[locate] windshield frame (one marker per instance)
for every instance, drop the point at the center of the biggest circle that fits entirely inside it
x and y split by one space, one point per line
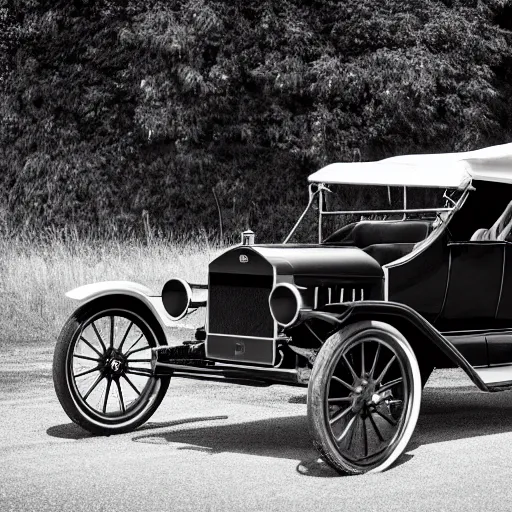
317 190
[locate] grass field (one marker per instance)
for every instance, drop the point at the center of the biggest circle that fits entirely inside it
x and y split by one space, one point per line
35 273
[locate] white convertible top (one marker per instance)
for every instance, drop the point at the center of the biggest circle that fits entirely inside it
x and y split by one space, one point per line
445 170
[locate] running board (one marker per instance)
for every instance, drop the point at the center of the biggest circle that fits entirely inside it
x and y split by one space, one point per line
496 378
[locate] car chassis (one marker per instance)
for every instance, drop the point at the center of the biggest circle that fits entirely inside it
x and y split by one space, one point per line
361 318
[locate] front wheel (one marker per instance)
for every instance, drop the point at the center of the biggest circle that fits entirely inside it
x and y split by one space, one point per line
102 366
364 397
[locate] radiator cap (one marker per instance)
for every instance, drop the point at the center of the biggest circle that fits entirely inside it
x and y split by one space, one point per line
248 237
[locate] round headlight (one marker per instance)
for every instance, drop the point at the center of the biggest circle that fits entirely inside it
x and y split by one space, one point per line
176 297
285 304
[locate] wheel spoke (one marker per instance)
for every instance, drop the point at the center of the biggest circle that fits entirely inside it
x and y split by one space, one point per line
351 438
381 376
343 383
80 356
128 354
349 426
374 425
125 336
93 387
139 360
365 437
90 346
131 384
111 332
363 366
135 343
99 337
340 399
377 352
384 417
352 371
107 392
97 368
340 415
390 384
120 394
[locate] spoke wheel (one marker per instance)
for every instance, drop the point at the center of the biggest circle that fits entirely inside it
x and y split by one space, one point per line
364 397
102 366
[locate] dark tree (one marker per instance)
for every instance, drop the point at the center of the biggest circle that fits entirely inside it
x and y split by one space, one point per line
116 111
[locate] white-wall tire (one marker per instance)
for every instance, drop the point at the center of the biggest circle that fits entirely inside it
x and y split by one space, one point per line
114 391
344 392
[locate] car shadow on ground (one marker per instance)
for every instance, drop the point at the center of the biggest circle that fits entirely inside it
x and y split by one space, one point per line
73 431
68 431
447 414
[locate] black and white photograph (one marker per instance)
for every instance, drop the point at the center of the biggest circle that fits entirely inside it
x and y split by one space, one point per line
254 255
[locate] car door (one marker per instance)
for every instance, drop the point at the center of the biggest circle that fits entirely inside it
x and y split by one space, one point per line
499 341
471 305
465 290
475 279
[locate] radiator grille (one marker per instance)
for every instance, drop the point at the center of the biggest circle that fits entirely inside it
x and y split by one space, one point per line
238 304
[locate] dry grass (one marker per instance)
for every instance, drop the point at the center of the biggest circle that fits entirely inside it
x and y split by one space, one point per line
36 273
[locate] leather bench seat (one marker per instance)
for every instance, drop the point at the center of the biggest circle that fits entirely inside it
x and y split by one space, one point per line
366 233
386 253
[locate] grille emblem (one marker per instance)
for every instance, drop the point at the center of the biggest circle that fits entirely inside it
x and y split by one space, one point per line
243 258
239 349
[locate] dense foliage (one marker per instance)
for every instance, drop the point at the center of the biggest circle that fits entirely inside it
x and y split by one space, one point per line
135 114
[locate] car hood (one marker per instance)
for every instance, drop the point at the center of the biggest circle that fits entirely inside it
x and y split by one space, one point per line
303 262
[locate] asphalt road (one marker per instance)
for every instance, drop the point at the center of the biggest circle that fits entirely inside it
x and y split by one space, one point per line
223 447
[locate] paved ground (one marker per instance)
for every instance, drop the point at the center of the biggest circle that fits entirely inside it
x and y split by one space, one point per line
227 447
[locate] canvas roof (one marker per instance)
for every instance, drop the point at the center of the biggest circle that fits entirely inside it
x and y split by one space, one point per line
445 170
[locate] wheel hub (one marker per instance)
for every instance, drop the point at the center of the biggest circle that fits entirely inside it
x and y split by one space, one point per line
115 363
116 366
364 393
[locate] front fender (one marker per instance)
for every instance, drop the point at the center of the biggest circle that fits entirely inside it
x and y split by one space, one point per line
95 290
152 300
416 328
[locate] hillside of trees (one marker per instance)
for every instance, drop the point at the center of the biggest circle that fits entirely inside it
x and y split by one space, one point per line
127 114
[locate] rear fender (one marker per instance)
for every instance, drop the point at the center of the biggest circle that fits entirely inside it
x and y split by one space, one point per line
151 300
426 341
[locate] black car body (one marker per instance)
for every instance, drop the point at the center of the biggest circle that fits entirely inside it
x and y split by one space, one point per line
361 317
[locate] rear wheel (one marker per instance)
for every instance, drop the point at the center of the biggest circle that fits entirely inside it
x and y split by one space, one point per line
102 366
364 397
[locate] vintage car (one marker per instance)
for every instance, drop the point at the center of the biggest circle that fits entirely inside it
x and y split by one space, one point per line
361 317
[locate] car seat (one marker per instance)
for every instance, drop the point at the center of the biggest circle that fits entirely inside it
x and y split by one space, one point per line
365 233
